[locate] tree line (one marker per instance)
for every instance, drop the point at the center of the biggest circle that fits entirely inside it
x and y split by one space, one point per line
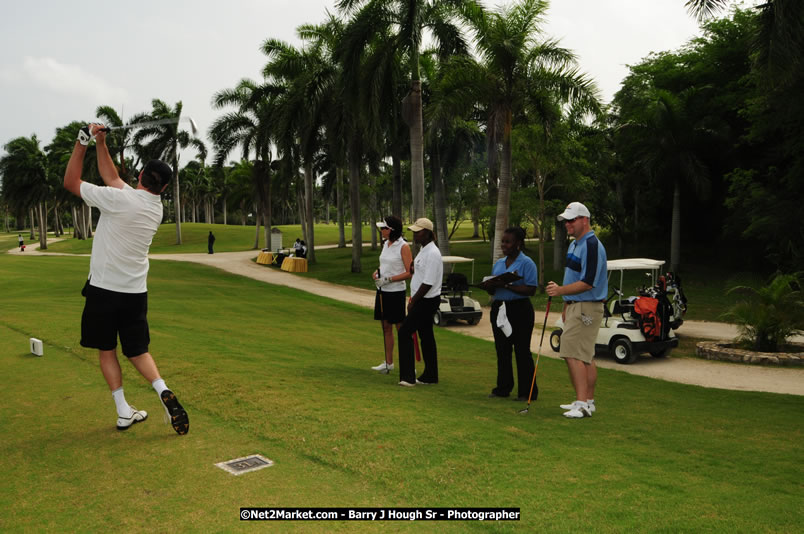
492 120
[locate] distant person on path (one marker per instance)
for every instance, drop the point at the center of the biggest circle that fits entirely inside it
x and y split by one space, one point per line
210 241
584 292
21 242
389 303
116 291
425 289
513 302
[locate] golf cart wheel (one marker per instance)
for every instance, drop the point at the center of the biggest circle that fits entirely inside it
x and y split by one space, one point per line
473 320
660 353
555 340
622 350
437 318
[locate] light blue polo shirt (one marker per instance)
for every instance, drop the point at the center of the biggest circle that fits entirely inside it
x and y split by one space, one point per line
524 267
586 261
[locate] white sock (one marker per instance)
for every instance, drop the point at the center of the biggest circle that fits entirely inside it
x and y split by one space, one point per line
159 386
123 409
590 401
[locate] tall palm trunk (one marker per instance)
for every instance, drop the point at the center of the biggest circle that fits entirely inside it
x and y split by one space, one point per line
559 246
339 201
300 204
87 220
439 201
373 209
257 224
224 210
76 233
542 222
675 232
308 190
416 148
267 205
354 199
503 190
32 218
42 212
396 208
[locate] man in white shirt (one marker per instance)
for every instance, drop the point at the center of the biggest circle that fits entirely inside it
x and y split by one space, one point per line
116 291
425 297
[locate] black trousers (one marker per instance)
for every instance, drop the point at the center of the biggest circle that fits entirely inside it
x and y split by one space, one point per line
420 320
520 315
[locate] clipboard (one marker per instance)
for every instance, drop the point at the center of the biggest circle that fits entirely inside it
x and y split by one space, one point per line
498 281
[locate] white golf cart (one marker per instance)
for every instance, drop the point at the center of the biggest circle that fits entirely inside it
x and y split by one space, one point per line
456 300
628 329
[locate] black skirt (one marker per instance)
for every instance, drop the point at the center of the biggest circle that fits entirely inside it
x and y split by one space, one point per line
390 306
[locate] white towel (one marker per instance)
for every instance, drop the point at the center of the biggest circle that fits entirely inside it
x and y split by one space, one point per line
502 321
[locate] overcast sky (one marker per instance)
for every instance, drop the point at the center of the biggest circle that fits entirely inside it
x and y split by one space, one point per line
60 60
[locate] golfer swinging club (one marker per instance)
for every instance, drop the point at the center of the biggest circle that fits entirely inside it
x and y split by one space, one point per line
116 291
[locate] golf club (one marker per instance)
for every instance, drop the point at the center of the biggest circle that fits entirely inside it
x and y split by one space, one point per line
524 411
193 126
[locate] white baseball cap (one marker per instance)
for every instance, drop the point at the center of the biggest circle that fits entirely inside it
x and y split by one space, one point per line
574 210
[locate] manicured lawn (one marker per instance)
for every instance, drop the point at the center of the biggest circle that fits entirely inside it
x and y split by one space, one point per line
285 374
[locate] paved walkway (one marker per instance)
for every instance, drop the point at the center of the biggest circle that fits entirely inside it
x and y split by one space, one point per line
684 370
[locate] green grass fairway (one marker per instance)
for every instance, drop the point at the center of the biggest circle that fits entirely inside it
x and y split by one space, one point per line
285 374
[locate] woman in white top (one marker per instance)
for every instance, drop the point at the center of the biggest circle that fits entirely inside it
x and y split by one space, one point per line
389 303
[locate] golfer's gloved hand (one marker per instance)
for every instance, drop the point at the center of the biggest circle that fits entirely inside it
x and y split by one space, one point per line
84 135
382 282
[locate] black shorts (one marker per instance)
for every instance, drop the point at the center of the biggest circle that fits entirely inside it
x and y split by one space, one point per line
108 314
391 308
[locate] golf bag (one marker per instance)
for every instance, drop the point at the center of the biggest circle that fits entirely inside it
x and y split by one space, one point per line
648 317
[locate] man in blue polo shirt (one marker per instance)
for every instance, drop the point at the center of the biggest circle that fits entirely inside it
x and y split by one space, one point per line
584 292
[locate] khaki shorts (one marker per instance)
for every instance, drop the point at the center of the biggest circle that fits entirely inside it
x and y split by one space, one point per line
581 326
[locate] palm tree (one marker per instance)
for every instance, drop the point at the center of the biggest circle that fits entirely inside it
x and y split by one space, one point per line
404 22
672 140
250 128
780 38
162 141
310 76
517 76
24 172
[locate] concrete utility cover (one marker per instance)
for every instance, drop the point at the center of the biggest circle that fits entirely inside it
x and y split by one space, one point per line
238 466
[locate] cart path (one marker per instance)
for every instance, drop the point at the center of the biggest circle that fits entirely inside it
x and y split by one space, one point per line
711 374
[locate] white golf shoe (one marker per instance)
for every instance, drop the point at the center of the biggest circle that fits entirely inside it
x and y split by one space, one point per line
137 416
579 410
571 406
384 368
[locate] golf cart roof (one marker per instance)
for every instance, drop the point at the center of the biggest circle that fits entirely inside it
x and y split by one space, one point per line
630 264
456 259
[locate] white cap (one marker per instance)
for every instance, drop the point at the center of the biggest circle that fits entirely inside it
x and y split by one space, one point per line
381 225
574 209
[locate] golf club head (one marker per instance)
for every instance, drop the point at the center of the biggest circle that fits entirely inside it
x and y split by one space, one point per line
193 126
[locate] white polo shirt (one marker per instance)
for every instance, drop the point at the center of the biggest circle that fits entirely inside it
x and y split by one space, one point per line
129 219
427 269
